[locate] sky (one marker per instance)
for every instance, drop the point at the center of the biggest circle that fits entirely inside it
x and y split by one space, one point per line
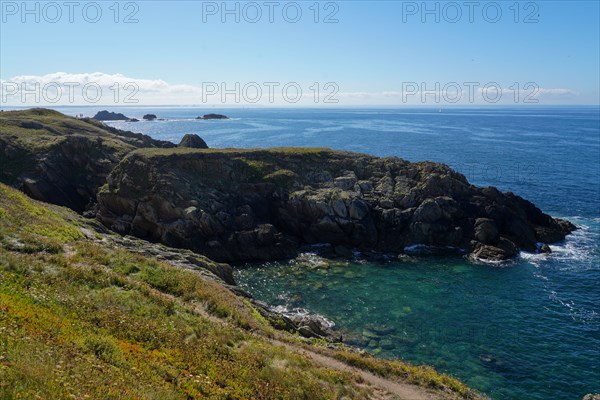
304 53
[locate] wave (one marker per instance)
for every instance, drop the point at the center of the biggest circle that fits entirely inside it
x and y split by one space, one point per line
579 250
299 313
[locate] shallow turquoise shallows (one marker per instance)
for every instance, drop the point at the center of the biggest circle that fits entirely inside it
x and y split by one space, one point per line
524 331
529 330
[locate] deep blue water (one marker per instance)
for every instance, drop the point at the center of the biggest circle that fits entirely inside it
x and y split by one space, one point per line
528 330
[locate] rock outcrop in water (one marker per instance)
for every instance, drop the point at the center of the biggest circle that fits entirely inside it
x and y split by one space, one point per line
213 116
263 204
110 116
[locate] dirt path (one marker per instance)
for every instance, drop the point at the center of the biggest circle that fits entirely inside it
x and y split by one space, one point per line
397 390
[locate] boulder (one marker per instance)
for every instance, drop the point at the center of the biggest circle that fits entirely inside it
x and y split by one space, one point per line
428 211
339 208
503 250
358 209
193 141
486 230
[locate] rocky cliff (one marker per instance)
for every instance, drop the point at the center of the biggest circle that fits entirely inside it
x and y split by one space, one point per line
59 159
263 204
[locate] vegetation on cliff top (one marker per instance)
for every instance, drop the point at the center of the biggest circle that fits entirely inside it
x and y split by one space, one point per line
39 129
82 319
60 159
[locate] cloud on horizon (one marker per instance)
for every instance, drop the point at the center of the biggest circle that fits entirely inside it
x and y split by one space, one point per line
62 88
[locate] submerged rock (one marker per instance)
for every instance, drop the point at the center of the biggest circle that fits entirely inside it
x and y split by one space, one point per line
387 344
382 330
243 213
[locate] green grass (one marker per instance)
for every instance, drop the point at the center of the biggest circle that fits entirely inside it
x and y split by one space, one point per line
26 136
88 321
420 375
30 227
215 166
156 152
80 319
37 129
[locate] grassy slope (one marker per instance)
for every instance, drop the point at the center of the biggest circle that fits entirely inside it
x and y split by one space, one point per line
78 319
47 128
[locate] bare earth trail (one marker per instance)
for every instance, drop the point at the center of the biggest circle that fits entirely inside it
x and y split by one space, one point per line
388 389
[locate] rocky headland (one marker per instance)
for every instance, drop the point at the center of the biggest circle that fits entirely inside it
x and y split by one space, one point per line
62 160
234 205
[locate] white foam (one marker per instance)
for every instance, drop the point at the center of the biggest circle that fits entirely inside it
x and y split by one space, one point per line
575 252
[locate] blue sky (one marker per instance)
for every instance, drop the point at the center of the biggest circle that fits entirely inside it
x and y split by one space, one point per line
373 53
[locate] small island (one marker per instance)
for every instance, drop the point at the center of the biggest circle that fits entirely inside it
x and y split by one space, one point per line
111 116
149 117
213 116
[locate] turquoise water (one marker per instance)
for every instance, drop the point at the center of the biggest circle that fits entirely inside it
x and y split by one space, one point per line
527 330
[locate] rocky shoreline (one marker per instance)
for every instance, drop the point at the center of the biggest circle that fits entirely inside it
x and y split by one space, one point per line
241 205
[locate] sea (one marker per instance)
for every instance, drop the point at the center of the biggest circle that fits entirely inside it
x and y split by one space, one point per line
528 329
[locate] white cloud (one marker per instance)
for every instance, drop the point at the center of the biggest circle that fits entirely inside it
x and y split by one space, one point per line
558 92
103 80
62 88
466 95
